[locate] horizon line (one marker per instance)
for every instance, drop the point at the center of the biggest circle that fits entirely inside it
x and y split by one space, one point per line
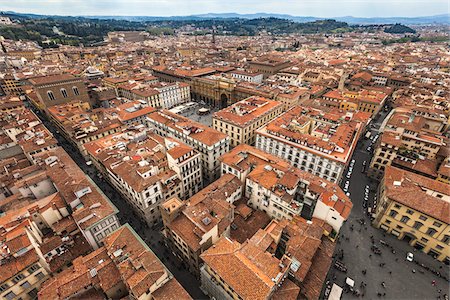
219 13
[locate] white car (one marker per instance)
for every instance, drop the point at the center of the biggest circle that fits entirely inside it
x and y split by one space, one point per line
409 256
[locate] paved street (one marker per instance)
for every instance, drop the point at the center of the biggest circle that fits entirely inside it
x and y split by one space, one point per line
151 236
396 273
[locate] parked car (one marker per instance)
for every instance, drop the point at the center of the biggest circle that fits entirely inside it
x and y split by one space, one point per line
409 256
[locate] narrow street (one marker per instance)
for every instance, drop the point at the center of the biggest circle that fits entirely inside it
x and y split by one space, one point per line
402 279
151 236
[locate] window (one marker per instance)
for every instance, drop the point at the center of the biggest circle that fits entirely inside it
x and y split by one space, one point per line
39 275
10 296
25 285
33 269
393 213
18 278
404 219
431 231
437 224
75 91
64 93
417 225
446 239
50 95
33 293
423 218
397 206
409 212
3 287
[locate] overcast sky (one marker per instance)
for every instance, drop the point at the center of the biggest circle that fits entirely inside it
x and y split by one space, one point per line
317 8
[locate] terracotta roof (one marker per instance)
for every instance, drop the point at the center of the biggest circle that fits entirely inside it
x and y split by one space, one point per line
51 79
247 269
411 190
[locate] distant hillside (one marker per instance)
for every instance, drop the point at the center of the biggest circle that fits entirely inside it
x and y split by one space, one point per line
399 29
437 19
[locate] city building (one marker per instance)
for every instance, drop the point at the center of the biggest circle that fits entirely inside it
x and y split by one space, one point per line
284 260
207 141
147 169
319 142
415 209
243 271
240 120
246 76
268 65
81 125
284 192
363 100
410 141
123 268
195 225
57 89
92 211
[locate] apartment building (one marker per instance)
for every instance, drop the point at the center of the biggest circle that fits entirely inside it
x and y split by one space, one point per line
39 233
133 113
58 89
408 142
313 140
268 65
147 169
123 268
22 270
92 212
293 96
243 271
364 100
81 125
240 120
415 209
246 76
10 103
193 226
156 94
207 141
23 128
138 91
171 95
284 192
186 163
284 260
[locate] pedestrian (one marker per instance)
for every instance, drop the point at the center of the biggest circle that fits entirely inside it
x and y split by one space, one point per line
370 255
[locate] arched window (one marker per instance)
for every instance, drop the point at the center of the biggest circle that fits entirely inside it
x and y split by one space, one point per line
50 95
64 93
75 91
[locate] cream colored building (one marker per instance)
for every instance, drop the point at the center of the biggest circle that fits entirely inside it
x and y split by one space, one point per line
240 120
415 209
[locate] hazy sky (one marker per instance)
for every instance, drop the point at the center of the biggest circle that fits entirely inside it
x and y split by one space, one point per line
317 8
